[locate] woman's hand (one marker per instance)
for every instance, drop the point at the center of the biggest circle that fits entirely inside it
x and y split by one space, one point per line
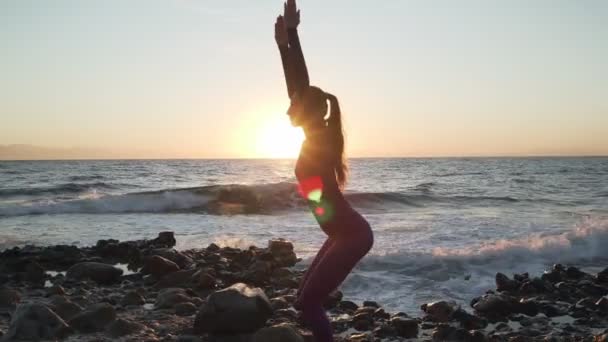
280 32
291 13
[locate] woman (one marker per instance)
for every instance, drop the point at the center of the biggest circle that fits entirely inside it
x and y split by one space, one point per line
321 173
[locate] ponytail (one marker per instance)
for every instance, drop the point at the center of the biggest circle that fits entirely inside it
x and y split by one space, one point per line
334 124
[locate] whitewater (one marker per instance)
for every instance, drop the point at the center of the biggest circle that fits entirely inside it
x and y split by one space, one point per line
443 227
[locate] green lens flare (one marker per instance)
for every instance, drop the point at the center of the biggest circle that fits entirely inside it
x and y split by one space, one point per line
315 195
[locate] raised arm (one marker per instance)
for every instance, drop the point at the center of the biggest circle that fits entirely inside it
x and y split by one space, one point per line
295 58
280 35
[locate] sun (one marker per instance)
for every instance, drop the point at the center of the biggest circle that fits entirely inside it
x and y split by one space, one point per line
278 139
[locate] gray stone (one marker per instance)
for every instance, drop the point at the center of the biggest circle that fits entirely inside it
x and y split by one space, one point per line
405 327
64 307
168 298
35 321
185 309
132 298
277 333
236 309
121 327
94 318
99 272
158 266
440 311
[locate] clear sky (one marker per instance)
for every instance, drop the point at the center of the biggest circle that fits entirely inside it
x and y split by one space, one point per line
197 78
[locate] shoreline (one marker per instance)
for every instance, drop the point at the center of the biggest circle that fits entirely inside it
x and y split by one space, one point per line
145 290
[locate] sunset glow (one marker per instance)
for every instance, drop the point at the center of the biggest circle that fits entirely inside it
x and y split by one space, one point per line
276 138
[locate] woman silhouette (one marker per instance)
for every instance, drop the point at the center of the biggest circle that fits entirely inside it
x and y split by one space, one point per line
321 173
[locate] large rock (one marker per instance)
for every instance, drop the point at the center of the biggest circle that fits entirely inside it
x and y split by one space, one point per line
494 305
97 271
164 239
132 298
503 283
158 266
94 318
282 252
440 311
277 333
405 327
602 276
64 307
233 310
168 298
34 322
34 273
182 260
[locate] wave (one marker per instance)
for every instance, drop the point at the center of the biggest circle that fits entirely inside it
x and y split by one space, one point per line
226 199
67 188
583 244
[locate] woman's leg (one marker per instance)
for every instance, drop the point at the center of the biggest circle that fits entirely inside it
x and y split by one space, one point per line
328 274
326 245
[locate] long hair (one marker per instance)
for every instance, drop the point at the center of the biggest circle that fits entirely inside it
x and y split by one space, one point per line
336 131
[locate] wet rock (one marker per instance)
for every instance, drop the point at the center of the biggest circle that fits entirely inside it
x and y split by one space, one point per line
602 304
236 309
602 276
179 258
444 332
363 337
493 305
277 333
379 313
185 309
55 290
405 327
96 271
164 239
158 266
363 321
34 273
439 311
503 283
371 303
169 298
181 278
282 252
385 330
213 248
65 308
347 305
279 303
35 321
122 327
333 299
95 318
468 321
9 297
575 273
132 298
204 280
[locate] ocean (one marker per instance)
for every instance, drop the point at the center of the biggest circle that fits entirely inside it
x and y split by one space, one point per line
443 227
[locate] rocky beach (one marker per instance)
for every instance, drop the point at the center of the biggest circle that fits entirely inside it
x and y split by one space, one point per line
146 290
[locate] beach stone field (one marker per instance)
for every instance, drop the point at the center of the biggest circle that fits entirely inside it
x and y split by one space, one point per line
146 290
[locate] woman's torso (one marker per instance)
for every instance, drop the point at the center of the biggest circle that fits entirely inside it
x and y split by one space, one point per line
317 183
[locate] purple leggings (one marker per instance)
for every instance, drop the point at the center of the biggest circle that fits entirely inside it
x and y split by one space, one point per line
334 261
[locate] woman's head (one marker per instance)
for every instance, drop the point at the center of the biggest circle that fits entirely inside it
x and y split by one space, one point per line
310 110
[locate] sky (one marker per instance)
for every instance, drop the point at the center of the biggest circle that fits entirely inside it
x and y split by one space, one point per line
203 79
